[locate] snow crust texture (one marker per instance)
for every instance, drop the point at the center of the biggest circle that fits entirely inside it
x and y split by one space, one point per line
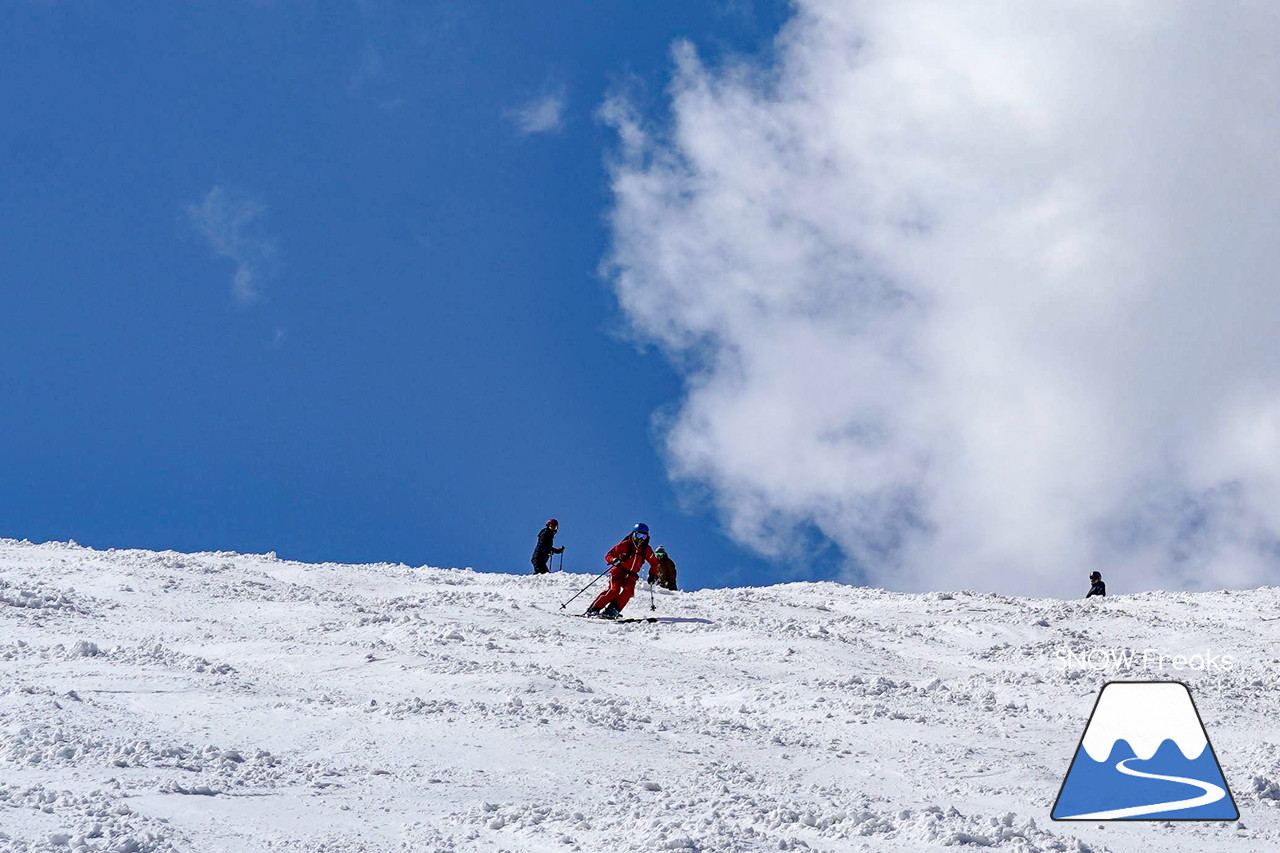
223 702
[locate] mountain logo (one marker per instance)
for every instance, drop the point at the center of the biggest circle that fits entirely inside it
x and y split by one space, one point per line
1145 755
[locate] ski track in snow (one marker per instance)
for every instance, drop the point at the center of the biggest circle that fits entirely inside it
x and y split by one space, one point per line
225 702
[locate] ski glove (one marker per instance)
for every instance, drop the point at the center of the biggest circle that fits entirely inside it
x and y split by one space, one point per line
559 550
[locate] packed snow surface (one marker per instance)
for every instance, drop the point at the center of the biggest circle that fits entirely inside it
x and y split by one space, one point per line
220 702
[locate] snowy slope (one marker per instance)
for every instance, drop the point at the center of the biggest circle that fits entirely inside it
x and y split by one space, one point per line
218 702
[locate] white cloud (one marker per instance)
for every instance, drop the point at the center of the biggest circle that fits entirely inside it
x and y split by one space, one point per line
543 114
231 222
983 291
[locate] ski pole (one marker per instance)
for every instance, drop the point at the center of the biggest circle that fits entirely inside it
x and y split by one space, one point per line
584 589
562 561
652 606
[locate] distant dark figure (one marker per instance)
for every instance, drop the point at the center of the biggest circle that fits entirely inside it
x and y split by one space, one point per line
1098 588
665 573
546 547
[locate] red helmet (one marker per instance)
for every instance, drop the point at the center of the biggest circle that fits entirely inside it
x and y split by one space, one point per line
551 522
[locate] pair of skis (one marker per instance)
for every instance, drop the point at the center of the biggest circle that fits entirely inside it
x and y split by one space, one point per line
622 621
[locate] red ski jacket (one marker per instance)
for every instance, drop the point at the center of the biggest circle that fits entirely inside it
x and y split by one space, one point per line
631 557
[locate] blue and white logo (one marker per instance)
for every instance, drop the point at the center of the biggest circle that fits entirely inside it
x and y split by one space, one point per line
1145 756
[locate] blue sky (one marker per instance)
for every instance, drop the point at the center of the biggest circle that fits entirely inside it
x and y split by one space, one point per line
322 278
915 294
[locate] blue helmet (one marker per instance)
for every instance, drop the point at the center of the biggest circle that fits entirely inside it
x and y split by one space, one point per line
640 527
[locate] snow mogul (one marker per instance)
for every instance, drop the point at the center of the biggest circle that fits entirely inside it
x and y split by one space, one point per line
625 561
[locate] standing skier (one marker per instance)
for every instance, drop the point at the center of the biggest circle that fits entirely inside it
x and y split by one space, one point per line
625 559
665 574
546 547
1098 588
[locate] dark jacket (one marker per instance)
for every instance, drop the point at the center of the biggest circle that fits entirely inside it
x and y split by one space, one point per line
665 573
546 545
1098 588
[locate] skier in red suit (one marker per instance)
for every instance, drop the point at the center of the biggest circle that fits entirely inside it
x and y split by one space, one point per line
626 559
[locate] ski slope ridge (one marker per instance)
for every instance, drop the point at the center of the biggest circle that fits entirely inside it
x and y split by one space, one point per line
225 702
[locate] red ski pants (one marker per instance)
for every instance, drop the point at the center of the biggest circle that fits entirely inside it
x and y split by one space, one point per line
622 585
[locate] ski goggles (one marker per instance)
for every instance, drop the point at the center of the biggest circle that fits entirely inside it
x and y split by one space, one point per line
639 535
